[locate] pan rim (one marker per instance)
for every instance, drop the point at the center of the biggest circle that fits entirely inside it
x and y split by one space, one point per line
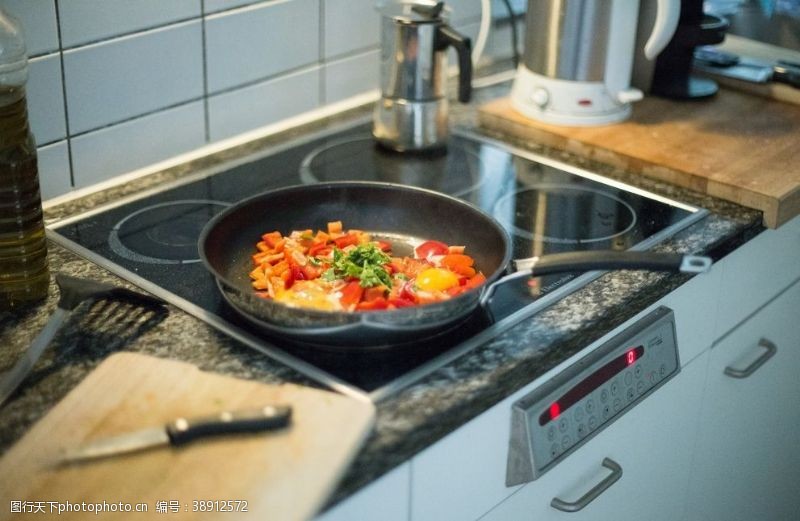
357 314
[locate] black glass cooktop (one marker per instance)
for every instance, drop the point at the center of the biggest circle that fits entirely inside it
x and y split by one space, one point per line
546 207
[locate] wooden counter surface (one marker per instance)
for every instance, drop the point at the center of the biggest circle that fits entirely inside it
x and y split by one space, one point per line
735 146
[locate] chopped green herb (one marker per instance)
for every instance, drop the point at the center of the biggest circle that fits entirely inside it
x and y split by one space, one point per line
364 262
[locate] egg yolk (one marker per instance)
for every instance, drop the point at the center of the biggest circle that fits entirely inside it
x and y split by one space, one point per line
436 279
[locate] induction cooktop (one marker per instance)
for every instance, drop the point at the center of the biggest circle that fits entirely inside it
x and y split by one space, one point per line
546 206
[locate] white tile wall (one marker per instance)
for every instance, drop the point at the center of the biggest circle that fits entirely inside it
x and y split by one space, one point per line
54 172
245 109
84 21
126 77
212 6
351 76
121 84
114 150
46 99
350 25
259 41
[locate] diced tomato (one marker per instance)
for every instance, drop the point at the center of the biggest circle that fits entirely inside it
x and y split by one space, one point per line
350 239
319 249
400 302
428 248
459 263
475 281
379 303
374 293
335 227
351 293
311 272
384 246
272 238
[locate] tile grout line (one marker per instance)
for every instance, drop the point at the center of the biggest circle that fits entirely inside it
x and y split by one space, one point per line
204 50
64 95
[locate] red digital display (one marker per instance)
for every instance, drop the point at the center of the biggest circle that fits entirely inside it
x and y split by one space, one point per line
590 383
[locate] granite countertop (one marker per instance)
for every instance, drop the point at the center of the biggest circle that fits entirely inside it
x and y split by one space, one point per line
408 421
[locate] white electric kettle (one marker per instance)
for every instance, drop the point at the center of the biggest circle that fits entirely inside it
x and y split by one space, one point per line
576 67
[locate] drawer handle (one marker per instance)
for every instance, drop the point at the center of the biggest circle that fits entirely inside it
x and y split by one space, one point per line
567 506
770 350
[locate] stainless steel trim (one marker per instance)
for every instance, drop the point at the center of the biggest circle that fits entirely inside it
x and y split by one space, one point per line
770 350
695 264
594 492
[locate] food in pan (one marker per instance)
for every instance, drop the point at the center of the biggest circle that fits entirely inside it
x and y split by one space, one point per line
348 270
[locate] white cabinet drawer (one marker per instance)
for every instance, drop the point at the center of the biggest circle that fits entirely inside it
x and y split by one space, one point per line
756 272
385 499
748 461
651 443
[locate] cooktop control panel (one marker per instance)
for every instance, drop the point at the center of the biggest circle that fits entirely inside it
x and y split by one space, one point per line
556 418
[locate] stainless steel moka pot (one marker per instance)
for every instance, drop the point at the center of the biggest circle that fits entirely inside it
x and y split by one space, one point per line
412 112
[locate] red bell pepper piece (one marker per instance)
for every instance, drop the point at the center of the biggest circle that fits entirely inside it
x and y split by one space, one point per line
429 248
351 293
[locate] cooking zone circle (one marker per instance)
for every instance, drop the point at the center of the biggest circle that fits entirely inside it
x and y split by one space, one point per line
564 214
456 172
164 233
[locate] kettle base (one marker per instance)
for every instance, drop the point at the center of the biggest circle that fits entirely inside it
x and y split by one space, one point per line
567 103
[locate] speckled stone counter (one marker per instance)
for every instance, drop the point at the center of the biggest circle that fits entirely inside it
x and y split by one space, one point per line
408 421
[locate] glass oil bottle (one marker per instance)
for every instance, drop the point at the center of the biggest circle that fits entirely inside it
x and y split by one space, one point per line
24 275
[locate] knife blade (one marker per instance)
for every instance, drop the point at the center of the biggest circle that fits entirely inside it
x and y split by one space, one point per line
752 70
183 430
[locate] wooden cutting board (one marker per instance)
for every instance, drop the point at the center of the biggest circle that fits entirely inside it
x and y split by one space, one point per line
286 475
734 146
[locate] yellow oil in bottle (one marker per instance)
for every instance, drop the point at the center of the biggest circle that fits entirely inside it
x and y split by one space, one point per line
24 276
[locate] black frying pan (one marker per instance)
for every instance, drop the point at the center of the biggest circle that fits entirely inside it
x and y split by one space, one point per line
403 215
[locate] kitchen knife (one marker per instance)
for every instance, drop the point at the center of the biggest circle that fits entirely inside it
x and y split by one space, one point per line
184 430
743 68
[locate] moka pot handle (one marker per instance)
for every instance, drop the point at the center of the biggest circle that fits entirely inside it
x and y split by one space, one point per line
447 36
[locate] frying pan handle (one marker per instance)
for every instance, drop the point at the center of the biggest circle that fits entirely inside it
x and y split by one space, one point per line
601 260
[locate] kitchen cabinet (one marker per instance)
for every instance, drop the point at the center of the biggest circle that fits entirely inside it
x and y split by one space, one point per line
462 476
704 446
747 463
385 499
645 448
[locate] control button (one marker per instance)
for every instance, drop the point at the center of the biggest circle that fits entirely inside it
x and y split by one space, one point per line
630 393
617 404
578 414
553 450
652 377
604 395
590 405
640 387
628 378
563 424
614 388
606 411
592 422
540 96
551 433
637 371
566 441
581 430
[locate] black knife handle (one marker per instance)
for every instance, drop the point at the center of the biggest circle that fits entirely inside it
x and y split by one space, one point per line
184 430
787 75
